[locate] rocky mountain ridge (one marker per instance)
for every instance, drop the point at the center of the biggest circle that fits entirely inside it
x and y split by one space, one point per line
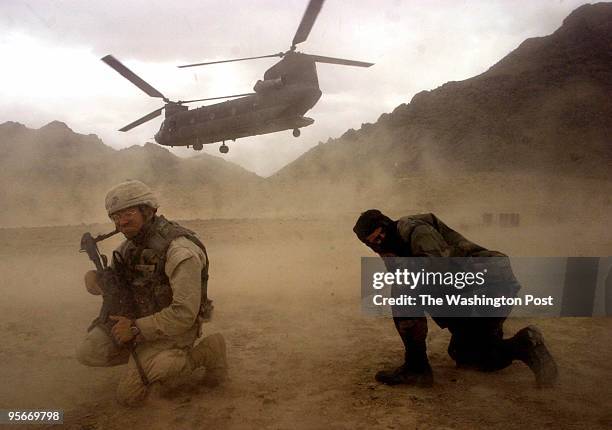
53 175
545 107
533 130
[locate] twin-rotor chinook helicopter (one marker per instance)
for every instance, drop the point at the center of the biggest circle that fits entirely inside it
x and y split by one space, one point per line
288 90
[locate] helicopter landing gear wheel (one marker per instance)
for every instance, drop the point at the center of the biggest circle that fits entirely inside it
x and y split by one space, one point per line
198 146
296 132
224 149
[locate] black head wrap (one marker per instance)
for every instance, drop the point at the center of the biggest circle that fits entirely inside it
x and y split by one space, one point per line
369 221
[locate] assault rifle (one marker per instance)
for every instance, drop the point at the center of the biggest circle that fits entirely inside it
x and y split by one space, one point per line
117 298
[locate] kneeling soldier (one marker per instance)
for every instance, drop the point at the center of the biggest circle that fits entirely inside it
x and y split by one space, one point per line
164 267
476 342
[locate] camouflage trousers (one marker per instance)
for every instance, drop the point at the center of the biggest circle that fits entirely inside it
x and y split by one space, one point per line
163 363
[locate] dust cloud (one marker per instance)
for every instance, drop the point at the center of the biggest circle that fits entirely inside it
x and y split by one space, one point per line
285 264
286 291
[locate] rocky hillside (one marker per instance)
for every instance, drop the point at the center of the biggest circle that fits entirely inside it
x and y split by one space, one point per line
531 133
544 112
55 176
543 108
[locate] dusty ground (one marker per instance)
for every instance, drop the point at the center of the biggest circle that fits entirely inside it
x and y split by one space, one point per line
302 355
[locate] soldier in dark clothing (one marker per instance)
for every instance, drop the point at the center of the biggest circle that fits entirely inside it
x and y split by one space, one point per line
476 342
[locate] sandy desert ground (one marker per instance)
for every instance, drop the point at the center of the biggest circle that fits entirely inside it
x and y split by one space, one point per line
302 354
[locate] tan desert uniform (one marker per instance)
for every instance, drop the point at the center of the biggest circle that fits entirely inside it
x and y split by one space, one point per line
166 336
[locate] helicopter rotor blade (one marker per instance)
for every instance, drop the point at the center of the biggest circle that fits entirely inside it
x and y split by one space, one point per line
341 61
142 120
280 54
132 77
216 98
310 15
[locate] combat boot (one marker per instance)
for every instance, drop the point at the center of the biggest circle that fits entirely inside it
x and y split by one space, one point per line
533 352
419 375
211 354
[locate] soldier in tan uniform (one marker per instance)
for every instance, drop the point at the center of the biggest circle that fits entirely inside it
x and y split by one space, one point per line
476 342
166 268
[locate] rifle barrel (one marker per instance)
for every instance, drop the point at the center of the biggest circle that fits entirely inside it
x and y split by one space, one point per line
101 237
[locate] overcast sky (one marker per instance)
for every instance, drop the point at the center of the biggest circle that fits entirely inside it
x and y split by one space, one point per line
51 50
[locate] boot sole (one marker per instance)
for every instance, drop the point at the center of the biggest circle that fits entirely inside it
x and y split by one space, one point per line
415 381
541 361
223 349
218 375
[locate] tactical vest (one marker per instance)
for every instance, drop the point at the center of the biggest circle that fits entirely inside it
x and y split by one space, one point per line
142 267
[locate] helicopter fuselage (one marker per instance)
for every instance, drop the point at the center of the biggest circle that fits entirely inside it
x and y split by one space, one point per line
289 89
273 108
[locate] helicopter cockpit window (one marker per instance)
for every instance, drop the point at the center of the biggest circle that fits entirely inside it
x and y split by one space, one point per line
172 126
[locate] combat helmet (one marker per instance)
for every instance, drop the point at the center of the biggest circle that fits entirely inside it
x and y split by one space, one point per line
127 194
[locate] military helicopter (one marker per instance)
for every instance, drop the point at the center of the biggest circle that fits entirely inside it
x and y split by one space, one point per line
288 90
